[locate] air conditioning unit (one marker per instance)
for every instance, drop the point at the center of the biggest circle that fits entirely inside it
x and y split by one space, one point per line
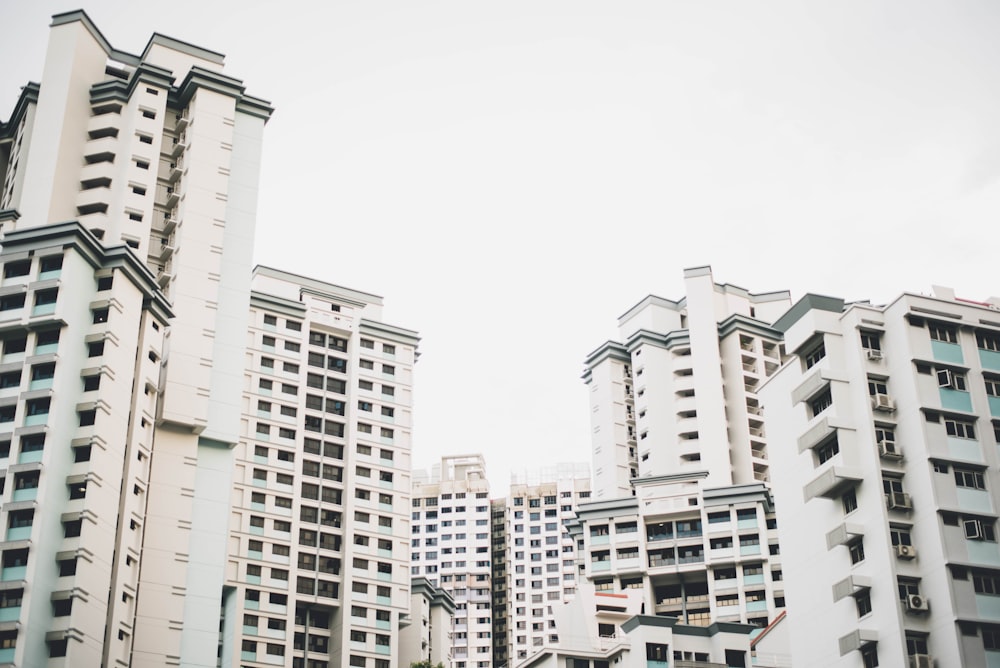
917 603
873 354
898 501
883 402
906 552
887 449
921 661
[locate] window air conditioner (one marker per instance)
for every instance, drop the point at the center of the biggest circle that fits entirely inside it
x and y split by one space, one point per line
906 551
883 402
898 501
917 603
887 448
873 354
921 661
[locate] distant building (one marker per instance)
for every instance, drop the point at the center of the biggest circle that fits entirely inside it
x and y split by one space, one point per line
539 560
451 549
884 424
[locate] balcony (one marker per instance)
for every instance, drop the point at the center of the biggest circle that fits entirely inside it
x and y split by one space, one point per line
833 482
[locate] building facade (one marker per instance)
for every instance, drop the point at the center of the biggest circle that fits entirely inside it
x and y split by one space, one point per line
123 343
319 555
886 421
539 559
682 510
451 548
427 636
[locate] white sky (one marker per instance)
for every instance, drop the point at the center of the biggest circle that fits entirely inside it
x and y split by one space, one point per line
512 176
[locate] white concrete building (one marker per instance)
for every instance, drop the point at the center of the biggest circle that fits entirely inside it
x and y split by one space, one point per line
451 548
318 571
427 636
539 558
678 393
681 509
123 344
603 629
884 424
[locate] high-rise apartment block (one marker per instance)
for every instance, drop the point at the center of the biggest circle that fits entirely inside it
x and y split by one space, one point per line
127 205
538 559
884 427
319 555
682 510
451 549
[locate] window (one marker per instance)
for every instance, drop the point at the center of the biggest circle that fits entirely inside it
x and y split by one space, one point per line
950 379
992 387
857 551
11 302
986 583
979 529
959 428
871 341
814 355
877 386
900 535
969 478
940 332
821 402
849 501
869 656
826 451
988 341
18 268
907 587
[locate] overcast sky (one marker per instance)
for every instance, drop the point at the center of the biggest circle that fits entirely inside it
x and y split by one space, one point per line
512 176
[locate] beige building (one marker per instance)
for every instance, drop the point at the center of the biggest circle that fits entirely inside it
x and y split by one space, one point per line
123 341
427 635
318 572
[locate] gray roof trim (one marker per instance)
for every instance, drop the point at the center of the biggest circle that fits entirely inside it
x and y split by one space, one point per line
81 16
29 95
737 322
318 286
199 77
686 629
808 303
436 595
73 235
118 90
608 350
673 477
678 337
650 300
184 47
406 337
622 505
268 302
